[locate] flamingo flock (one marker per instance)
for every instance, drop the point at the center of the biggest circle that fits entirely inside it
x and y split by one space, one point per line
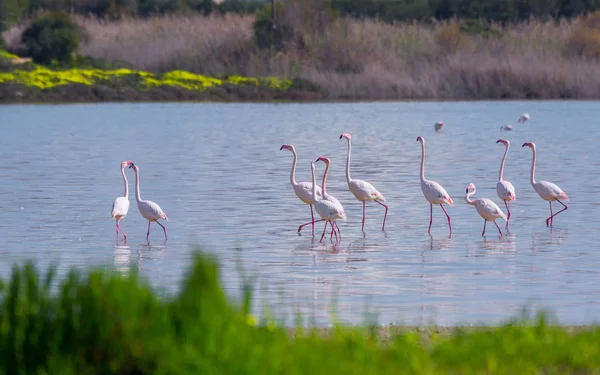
330 209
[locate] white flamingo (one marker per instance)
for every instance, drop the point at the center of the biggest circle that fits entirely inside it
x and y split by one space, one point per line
506 127
120 206
524 117
329 209
546 190
487 209
303 190
505 190
362 190
433 192
149 210
438 126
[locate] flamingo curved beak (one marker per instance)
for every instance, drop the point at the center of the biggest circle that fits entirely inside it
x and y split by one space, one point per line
132 165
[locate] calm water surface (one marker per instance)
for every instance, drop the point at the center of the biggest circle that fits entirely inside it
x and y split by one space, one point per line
217 171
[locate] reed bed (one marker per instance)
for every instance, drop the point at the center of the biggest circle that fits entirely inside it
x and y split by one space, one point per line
368 59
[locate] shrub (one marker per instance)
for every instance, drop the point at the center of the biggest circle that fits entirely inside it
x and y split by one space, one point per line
51 37
584 40
241 6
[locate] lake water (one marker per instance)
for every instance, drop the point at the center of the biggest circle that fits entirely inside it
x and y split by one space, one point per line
218 173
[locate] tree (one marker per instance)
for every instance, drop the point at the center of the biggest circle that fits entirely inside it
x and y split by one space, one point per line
51 37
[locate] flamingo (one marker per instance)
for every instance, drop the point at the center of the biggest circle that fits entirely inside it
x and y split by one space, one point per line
505 190
120 206
149 210
362 190
326 196
303 190
506 127
433 192
329 209
487 209
546 190
438 126
524 117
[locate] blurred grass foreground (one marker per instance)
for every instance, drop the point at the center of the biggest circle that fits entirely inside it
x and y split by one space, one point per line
100 322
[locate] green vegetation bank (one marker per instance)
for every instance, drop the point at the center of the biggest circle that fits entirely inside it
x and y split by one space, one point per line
98 322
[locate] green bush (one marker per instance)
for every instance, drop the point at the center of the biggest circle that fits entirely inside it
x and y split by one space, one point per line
241 6
51 37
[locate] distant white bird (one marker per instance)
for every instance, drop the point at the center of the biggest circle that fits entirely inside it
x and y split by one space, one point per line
487 209
546 190
433 192
524 117
506 127
120 206
362 190
329 209
438 126
303 190
505 190
149 210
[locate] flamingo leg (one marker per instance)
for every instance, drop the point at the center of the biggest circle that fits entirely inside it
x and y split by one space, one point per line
312 218
507 204
498 228
333 231
324 229
148 233
484 223
384 216
120 229
338 229
310 222
448 216
364 215
164 229
430 217
551 218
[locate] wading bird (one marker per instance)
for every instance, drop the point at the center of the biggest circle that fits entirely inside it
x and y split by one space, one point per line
438 126
506 127
546 190
487 209
362 190
505 190
149 210
328 209
303 190
433 192
120 206
524 117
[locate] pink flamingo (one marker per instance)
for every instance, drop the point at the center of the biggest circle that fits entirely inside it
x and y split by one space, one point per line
487 209
438 126
326 196
433 192
505 190
329 209
546 190
303 190
120 206
524 117
149 210
362 190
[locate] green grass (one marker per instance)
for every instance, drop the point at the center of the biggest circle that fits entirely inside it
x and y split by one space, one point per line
100 322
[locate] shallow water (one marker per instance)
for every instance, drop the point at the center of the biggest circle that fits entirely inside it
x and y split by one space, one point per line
217 171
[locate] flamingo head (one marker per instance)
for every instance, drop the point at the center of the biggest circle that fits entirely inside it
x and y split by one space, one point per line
420 139
135 167
346 136
471 187
324 159
287 147
529 144
126 163
503 141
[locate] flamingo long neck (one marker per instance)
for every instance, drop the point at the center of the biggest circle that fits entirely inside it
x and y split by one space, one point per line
126 194
137 186
502 164
325 178
468 198
422 160
348 178
293 172
314 183
532 177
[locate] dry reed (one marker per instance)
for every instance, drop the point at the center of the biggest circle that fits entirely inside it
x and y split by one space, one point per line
369 59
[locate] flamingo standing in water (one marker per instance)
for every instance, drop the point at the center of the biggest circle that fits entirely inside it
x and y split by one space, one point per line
149 210
362 190
487 209
326 196
433 192
524 117
438 126
505 190
303 190
546 190
506 127
329 209
120 206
